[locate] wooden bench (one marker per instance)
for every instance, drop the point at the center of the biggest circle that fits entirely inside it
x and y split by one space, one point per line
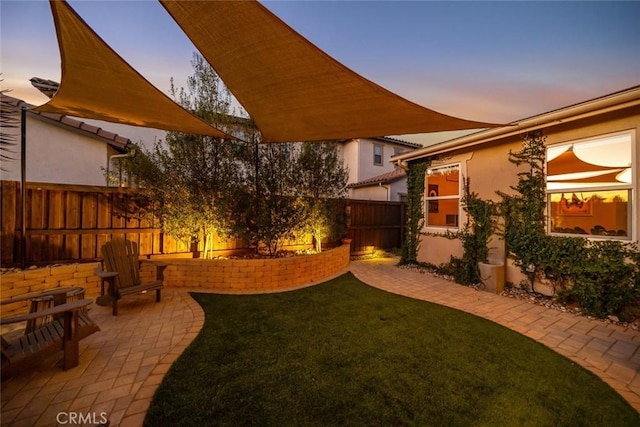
60 326
121 271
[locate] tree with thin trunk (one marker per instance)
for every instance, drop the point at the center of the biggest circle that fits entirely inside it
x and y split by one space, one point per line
322 183
263 192
191 175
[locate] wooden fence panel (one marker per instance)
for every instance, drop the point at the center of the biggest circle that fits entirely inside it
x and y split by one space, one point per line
89 221
376 225
33 220
8 242
104 220
55 242
72 223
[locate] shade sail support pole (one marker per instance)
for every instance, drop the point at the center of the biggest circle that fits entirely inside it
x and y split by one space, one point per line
23 187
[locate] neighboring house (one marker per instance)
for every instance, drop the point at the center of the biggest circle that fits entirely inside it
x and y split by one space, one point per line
372 175
390 186
592 170
59 149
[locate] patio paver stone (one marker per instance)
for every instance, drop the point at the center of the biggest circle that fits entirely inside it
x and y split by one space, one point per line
122 365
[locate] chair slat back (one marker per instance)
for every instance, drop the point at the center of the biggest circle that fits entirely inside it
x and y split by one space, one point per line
122 256
46 300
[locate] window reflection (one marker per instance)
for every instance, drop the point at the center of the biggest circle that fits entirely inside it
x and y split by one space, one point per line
443 196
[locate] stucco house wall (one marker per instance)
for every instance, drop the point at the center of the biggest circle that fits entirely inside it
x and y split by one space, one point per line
358 156
59 149
485 162
369 193
57 155
365 159
395 191
359 159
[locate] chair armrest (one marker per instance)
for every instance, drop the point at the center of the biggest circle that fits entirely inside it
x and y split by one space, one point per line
30 296
160 267
105 274
62 308
156 263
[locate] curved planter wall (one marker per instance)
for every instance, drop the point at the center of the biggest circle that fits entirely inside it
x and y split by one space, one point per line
233 276
255 275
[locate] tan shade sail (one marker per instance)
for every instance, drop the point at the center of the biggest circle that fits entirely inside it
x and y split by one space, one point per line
98 84
293 90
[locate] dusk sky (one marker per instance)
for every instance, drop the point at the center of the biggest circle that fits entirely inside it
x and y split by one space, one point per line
485 61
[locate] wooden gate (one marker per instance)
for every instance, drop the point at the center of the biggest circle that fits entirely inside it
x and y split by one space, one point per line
375 225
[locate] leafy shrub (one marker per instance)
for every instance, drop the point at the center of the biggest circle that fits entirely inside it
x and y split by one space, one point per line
606 280
462 271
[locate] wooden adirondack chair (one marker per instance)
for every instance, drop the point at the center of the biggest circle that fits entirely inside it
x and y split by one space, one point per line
121 270
54 323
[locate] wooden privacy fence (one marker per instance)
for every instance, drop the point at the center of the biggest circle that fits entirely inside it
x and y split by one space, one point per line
69 223
376 225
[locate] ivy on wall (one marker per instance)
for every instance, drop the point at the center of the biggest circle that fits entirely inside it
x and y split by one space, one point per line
524 211
475 235
415 210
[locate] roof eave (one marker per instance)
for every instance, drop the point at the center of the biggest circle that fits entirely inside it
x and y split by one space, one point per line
397 141
120 143
377 182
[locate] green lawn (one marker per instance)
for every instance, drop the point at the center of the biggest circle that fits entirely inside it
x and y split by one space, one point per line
343 353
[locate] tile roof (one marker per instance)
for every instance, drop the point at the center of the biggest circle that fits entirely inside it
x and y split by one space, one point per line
48 87
118 142
398 141
385 178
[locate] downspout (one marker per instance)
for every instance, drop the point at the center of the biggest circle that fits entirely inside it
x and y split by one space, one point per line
388 188
118 156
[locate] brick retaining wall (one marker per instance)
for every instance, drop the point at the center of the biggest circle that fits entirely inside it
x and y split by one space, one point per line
255 275
233 275
42 279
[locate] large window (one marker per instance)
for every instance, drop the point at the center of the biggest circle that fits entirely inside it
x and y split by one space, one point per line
442 194
589 187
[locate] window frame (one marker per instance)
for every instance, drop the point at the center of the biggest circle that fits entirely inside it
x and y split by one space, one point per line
629 187
381 163
427 198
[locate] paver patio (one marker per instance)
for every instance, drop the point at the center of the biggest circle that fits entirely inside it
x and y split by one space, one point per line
122 365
